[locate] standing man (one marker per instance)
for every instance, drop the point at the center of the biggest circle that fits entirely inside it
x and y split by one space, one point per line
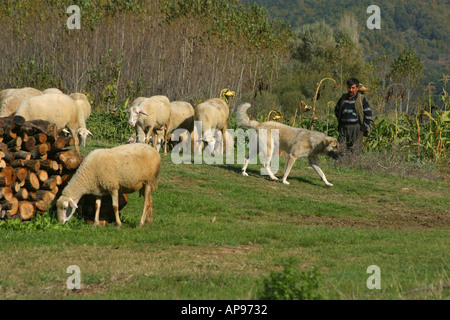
354 117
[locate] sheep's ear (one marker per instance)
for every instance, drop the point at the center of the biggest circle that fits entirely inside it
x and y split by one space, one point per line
90 133
73 204
144 113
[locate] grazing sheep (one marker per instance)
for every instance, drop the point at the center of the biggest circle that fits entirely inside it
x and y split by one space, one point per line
84 112
10 99
55 108
181 116
213 114
123 169
147 115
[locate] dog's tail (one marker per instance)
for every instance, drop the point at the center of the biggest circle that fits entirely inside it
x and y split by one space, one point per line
242 118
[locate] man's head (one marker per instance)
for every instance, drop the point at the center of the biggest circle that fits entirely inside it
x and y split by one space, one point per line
352 87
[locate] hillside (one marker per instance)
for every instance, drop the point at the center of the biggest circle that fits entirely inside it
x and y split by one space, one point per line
422 26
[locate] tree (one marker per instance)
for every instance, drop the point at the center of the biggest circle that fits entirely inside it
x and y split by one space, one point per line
407 70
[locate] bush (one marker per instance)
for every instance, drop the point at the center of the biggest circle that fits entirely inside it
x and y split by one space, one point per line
110 126
290 284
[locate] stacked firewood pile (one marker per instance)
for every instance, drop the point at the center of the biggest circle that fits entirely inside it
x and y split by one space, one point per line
35 165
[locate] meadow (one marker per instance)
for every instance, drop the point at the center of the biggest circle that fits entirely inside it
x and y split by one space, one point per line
218 235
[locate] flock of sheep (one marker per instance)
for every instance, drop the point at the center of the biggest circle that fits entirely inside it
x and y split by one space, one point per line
126 168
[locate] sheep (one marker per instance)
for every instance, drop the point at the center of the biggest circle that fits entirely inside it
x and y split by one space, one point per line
213 115
181 116
147 115
123 169
84 112
10 99
55 108
52 90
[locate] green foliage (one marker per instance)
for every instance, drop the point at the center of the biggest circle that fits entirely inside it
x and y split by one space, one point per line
111 126
40 222
407 65
29 73
290 284
104 80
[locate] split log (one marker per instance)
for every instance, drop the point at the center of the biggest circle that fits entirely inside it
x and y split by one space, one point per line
22 194
12 205
16 186
42 175
7 176
15 144
21 154
50 184
41 206
28 143
26 210
3 146
33 165
32 182
39 150
9 156
58 178
6 193
18 163
59 144
49 165
44 195
40 138
70 159
21 173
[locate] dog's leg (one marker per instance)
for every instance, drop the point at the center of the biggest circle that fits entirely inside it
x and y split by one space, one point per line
267 155
288 168
244 167
315 165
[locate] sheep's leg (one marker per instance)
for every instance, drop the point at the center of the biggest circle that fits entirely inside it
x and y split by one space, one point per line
147 214
115 204
74 134
98 204
166 137
224 139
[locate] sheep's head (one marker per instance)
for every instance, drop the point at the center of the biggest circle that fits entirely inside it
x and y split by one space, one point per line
83 133
134 113
65 207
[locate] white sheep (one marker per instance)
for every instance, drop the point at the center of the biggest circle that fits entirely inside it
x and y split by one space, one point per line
123 169
147 115
84 112
55 108
10 99
181 116
52 90
213 115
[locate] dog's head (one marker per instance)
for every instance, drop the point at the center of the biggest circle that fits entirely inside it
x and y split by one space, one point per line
332 148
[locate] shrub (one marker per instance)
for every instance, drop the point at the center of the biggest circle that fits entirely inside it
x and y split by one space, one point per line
290 284
110 126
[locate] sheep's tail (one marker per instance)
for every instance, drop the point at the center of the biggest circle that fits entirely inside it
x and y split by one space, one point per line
242 118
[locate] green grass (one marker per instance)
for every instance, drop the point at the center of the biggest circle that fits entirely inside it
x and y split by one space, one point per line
217 235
